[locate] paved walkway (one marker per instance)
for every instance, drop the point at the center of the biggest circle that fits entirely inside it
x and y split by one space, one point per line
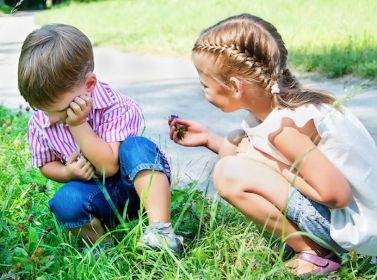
163 86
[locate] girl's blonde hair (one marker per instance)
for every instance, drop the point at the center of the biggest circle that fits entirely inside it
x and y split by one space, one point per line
252 49
54 59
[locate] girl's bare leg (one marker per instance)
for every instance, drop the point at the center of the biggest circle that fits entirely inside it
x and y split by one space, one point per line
231 142
261 194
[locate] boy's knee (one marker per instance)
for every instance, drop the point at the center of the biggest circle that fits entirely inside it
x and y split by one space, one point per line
134 145
67 204
139 153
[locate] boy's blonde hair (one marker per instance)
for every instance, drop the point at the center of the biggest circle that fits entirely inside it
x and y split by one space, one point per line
54 59
252 49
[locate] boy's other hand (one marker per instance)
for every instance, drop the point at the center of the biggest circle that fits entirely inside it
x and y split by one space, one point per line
81 170
79 109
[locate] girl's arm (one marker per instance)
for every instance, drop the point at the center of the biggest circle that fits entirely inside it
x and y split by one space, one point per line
319 179
195 134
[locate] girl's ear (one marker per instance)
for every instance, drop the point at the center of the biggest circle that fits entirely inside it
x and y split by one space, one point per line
90 82
238 87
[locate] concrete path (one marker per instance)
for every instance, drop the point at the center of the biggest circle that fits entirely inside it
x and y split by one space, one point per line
165 86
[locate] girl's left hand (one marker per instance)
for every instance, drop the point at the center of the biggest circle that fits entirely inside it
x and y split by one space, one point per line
79 109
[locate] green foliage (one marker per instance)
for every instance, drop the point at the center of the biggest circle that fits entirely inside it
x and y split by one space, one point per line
220 243
321 35
22 5
5 9
87 1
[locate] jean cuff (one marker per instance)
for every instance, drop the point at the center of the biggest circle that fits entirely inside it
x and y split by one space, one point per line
147 166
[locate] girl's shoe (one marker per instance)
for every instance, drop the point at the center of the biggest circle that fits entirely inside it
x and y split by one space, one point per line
158 235
326 264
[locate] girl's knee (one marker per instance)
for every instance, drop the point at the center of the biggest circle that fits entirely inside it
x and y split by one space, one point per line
225 176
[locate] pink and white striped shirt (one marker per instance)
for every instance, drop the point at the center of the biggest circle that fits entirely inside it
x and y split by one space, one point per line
113 117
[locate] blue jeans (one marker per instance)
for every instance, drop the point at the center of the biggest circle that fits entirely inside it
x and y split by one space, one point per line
77 202
311 217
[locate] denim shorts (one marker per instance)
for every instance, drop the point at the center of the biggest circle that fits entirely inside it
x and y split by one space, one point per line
311 217
77 202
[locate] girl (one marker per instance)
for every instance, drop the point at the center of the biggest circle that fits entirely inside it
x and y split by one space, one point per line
300 155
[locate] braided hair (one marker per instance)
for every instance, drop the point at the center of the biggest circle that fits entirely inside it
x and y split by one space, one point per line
251 48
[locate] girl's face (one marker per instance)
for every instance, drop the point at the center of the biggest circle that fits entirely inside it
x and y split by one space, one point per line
215 93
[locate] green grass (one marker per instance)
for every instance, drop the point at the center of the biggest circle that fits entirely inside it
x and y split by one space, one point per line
5 9
327 36
220 242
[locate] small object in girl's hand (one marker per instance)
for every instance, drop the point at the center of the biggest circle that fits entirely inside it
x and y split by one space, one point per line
179 130
173 117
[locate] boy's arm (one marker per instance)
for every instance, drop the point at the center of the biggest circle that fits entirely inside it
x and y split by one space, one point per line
74 170
103 155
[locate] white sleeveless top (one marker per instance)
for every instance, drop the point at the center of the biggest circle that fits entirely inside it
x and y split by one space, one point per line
349 146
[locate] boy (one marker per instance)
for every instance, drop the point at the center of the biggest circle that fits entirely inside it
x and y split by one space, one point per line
77 113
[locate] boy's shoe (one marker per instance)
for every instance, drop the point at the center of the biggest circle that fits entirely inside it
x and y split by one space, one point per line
158 234
98 250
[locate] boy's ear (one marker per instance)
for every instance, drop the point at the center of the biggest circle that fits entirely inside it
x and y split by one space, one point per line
90 82
238 87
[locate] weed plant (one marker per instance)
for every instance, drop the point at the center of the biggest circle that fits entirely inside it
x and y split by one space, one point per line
220 243
326 36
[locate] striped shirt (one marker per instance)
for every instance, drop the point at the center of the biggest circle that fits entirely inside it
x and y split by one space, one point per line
113 117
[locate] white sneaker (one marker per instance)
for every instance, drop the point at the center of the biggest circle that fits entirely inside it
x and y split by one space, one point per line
158 233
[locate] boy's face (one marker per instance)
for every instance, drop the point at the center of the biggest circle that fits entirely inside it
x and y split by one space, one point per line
57 112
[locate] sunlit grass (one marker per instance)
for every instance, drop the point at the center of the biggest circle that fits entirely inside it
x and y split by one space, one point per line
331 37
220 243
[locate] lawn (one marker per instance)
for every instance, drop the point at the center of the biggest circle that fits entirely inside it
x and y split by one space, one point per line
220 243
326 36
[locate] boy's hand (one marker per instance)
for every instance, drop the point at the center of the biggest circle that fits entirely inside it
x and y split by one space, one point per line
79 109
79 170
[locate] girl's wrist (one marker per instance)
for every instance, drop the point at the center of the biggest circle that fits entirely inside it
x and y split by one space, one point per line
214 141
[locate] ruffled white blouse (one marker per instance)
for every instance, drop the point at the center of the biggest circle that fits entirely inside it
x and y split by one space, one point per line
349 146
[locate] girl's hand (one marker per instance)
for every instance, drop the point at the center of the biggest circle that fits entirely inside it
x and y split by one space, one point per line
79 109
81 170
191 133
246 149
